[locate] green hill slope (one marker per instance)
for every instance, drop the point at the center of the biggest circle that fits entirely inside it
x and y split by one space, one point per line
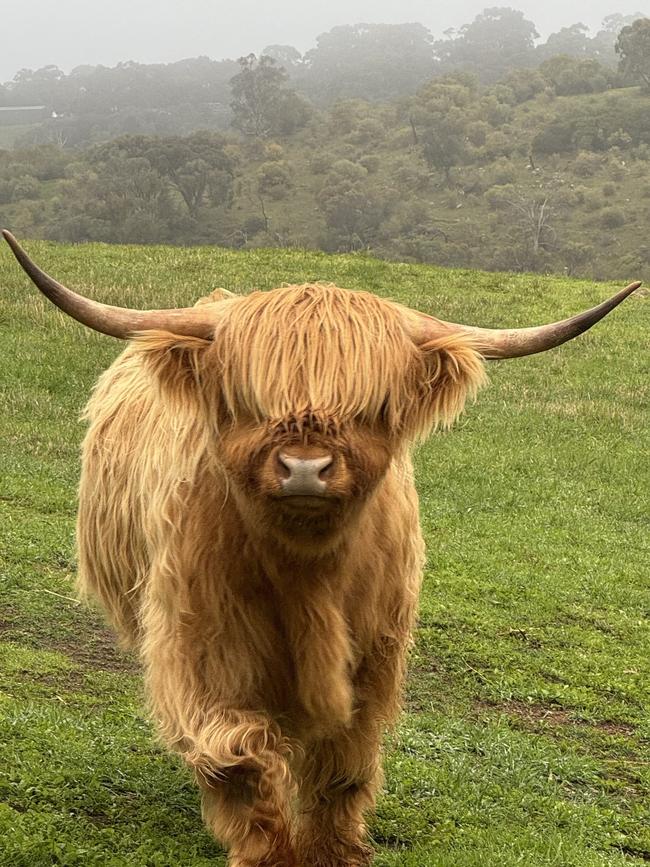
525 734
512 177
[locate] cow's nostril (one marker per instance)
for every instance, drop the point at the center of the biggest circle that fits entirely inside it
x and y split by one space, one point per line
283 467
326 470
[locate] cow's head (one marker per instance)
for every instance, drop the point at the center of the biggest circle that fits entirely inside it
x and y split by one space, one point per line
310 391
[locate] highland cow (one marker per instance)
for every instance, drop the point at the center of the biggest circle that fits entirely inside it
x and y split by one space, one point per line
249 523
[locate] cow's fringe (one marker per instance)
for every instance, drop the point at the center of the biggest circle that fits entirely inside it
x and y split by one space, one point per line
319 349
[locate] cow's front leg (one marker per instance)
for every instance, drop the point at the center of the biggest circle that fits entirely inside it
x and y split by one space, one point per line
200 701
246 794
341 774
338 789
240 762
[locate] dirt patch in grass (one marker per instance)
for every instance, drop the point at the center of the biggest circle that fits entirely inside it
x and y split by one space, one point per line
5 626
644 855
97 649
82 637
73 680
534 715
611 727
428 686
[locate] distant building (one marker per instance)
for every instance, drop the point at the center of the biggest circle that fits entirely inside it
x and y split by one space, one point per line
12 115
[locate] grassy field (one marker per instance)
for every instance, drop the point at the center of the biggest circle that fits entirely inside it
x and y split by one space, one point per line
526 736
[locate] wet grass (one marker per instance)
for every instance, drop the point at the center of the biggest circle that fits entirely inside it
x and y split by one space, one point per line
526 734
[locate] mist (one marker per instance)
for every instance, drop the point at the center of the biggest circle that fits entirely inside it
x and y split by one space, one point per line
70 33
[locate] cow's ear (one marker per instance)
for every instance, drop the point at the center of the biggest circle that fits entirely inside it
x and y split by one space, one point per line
453 372
174 360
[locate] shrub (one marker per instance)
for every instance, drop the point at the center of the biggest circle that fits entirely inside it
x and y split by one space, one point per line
499 196
274 179
320 163
501 172
253 225
556 137
370 162
612 218
641 153
593 202
477 132
24 187
498 144
567 196
580 194
409 176
576 254
274 152
620 138
369 131
586 164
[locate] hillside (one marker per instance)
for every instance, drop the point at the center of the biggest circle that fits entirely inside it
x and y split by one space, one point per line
551 183
525 734
516 176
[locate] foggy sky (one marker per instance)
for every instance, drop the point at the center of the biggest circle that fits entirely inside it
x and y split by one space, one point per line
69 33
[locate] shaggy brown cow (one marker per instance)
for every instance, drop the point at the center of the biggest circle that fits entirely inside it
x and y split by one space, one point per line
248 521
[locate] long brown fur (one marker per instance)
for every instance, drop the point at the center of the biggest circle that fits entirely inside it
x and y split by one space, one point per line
274 646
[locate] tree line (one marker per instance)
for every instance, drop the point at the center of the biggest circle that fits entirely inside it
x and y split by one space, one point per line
377 62
545 169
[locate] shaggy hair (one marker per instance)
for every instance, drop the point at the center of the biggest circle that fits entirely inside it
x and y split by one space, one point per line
272 665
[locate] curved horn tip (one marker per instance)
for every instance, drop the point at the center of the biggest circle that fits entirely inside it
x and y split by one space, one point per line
16 249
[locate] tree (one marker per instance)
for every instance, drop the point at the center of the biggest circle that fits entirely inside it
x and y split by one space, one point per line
441 118
533 220
261 104
201 167
497 40
123 199
633 48
572 41
602 44
369 61
525 84
353 207
42 86
285 56
524 218
293 112
615 22
255 93
568 75
198 167
95 103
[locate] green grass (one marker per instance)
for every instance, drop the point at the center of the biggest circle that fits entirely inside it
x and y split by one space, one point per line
526 735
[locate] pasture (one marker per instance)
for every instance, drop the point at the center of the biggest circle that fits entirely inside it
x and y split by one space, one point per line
526 732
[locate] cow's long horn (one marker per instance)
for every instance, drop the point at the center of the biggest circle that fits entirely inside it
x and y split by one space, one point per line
496 343
119 322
